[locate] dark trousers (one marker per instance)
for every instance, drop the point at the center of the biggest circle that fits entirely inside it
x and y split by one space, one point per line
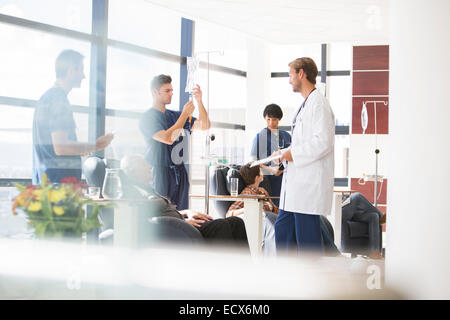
364 211
173 183
229 231
329 247
298 231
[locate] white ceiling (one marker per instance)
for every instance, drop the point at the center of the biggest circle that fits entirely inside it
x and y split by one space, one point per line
293 21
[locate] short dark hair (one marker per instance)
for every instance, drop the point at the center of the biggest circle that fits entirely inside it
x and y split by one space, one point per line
309 67
65 60
249 174
159 80
273 110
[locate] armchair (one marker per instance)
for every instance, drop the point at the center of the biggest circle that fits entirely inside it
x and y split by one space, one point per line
220 184
356 234
165 229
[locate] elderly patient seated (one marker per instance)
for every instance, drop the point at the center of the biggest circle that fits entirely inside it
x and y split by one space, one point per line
136 184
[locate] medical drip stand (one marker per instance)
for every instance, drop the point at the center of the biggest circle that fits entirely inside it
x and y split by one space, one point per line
209 137
377 151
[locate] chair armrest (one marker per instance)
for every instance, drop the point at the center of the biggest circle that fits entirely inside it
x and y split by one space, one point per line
170 228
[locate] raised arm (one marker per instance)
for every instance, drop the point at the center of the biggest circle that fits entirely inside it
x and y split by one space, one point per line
170 135
202 123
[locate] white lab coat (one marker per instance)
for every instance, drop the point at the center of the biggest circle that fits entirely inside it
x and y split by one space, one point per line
308 181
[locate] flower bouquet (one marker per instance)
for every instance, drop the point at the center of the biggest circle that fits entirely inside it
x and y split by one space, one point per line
57 210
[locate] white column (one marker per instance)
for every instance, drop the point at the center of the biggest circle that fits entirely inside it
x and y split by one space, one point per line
258 86
418 222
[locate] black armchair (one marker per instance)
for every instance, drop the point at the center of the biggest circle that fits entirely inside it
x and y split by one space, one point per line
220 181
154 229
356 235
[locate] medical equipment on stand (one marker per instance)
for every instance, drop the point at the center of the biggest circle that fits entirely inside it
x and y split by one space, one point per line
364 122
193 64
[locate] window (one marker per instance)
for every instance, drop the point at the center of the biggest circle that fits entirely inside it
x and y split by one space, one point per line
28 66
340 56
69 14
341 155
141 23
15 141
227 97
128 139
340 97
233 45
128 80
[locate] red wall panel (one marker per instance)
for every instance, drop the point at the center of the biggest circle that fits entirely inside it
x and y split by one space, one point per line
367 189
370 83
382 115
371 58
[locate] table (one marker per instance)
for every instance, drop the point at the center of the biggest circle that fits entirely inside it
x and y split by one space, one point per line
253 216
129 221
253 205
127 218
336 213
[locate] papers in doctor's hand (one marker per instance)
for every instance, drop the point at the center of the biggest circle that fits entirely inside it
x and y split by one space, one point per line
271 158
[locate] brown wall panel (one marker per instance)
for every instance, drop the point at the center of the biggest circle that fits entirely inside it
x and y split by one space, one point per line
367 189
382 115
371 83
371 58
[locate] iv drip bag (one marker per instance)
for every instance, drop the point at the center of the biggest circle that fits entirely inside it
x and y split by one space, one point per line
192 67
364 118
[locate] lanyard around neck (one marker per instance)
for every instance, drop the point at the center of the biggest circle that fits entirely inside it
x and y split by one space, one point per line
300 109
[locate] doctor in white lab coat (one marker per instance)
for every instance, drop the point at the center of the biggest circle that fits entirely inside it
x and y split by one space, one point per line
307 187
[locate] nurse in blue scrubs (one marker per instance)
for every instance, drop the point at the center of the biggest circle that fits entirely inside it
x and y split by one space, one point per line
166 133
266 142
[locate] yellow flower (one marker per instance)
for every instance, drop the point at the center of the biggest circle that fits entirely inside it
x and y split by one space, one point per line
20 201
37 194
56 195
58 210
44 179
35 206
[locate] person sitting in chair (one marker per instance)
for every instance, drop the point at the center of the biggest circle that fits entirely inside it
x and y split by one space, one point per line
362 210
136 181
252 177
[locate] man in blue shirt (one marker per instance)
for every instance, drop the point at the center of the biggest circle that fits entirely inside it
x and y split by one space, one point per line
56 151
268 141
166 140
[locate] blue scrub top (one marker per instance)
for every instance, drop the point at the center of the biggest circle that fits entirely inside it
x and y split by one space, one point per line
170 177
52 114
264 144
158 153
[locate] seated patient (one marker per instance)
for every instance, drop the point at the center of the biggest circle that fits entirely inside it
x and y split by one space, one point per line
136 184
253 177
361 210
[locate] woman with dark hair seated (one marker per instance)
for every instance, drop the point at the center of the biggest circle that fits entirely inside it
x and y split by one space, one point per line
266 142
252 177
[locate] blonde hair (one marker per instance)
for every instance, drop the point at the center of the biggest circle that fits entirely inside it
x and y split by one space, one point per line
309 67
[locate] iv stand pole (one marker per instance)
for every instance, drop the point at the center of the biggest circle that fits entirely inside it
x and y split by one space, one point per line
208 137
377 151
